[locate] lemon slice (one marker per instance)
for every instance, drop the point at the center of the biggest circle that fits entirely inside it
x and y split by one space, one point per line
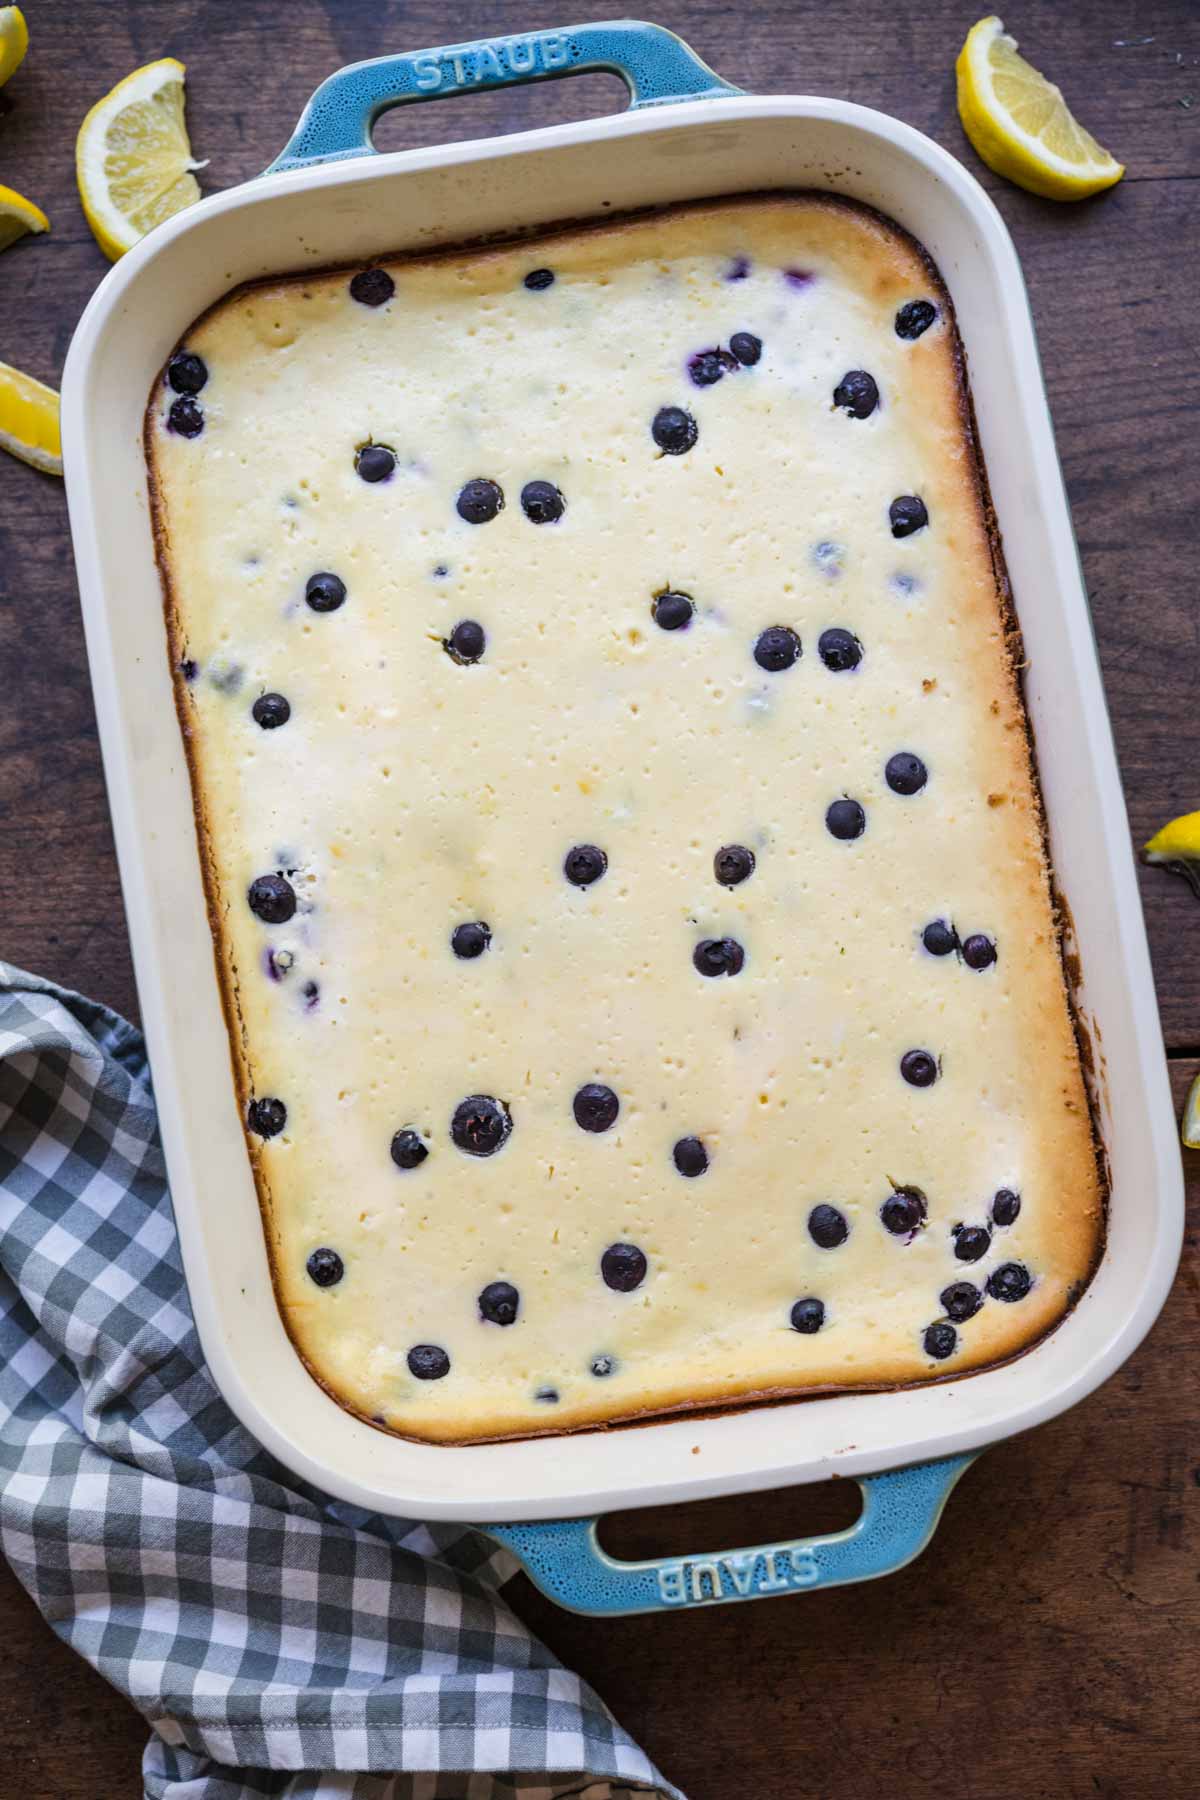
133 161
1177 847
18 216
14 41
1021 125
1189 1125
29 421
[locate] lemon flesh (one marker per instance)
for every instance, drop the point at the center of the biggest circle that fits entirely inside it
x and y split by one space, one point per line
1020 124
133 161
14 41
29 421
18 216
1189 1125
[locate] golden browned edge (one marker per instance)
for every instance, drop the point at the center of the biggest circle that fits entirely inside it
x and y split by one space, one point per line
227 977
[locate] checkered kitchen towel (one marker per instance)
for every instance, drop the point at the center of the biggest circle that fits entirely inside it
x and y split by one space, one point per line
279 1642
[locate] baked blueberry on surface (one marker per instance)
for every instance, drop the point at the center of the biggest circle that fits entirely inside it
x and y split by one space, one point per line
374 462
325 1267
777 648
480 1125
827 1227
941 1340
689 1156
272 899
479 500
325 592
733 864
623 1268
185 416
584 864
266 1118
907 514
409 1150
595 1107
372 287
856 394
621 654
719 956
674 430
671 611
466 643
186 373
919 1068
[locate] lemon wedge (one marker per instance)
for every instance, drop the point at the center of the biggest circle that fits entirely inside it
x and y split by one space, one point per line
1177 848
133 161
1189 1125
14 41
18 216
1021 125
29 421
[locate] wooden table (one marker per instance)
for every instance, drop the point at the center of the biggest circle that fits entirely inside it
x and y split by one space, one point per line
1047 1644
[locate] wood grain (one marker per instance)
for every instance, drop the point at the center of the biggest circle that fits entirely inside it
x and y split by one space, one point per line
1046 1644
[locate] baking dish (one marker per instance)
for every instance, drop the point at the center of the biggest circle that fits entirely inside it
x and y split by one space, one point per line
327 200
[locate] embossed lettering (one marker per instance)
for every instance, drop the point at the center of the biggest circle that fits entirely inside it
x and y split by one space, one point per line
460 74
772 1580
672 1583
487 64
554 52
520 54
428 72
702 1572
805 1568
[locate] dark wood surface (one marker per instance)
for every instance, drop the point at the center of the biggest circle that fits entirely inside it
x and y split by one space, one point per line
1047 1644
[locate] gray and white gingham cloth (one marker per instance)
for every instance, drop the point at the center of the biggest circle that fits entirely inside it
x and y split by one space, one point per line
278 1642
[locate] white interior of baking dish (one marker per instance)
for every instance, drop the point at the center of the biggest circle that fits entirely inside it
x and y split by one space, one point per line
347 211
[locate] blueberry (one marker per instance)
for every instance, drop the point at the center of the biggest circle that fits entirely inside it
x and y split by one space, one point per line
270 711
186 416
272 899
409 1150
719 956
428 1362
595 1107
733 864
189 668
499 1303
466 643
799 278
186 373
689 1156
827 1227
845 819
325 1267
470 940
480 1125
904 1211
372 287
971 1242
1011 1281
623 1267
266 1117
778 647
960 1301
857 394
708 366
1005 1207
839 650
539 278
324 592
978 951
738 269
479 500
672 611
583 864
905 773
914 317
746 347
828 557
808 1316
601 1366
939 938
374 462
547 1394
907 513
542 503
311 993
941 1340
674 430
919 1068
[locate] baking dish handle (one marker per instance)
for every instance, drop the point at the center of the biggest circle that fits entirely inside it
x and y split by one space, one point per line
654 64
900 1513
